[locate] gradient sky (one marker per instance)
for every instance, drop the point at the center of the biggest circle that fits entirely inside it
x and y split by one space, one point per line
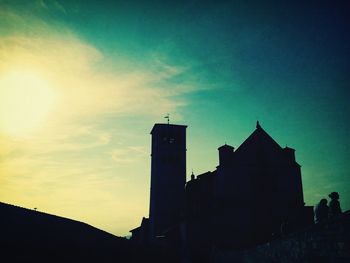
83 82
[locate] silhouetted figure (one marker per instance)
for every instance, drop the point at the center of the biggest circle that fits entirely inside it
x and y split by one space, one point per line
321 211
334 205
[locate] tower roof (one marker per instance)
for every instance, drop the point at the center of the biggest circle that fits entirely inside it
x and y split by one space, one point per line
164 126
226 146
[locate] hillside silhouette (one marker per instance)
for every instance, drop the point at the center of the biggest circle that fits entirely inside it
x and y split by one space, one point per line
32 236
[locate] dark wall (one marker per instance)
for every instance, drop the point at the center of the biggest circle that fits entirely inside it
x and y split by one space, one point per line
328 242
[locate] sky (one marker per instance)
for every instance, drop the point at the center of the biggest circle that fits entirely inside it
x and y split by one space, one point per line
83 82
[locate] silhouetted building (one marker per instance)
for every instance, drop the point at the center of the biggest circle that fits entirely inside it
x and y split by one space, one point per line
254 190
168 176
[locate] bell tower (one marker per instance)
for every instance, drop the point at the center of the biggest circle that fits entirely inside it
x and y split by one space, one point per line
168 176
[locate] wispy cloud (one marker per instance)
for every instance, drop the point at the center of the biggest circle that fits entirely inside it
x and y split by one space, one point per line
74 159
128 154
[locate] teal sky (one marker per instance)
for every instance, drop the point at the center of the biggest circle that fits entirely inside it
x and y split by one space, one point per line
104 72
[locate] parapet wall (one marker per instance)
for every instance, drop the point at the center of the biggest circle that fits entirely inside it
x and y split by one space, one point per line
326 242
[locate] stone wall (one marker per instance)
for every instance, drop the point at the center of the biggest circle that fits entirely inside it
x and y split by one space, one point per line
326 242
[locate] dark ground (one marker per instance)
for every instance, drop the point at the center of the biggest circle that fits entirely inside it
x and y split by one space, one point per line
31 236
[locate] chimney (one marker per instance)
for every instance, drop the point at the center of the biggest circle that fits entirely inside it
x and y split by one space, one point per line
289 153
225 155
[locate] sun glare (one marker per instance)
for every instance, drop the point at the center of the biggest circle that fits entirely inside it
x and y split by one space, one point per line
25 101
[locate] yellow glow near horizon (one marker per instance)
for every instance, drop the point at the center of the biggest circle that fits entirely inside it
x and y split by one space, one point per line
25 101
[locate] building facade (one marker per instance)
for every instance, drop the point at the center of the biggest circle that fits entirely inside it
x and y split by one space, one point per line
254 194
168 177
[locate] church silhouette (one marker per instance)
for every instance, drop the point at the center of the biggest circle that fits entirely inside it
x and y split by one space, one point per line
254 194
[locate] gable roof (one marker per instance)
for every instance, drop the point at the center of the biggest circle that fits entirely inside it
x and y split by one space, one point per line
258 138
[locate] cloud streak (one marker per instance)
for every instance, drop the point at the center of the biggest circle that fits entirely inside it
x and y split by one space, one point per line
75 159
